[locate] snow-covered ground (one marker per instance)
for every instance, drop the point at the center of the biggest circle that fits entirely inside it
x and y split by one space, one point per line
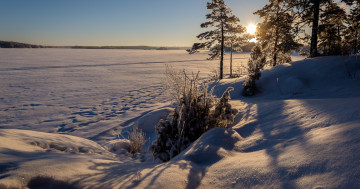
84 92
301 131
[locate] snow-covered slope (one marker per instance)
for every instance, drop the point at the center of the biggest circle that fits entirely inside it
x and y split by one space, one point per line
300 137
301 131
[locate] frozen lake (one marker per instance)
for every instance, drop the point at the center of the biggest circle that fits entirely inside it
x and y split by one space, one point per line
84 92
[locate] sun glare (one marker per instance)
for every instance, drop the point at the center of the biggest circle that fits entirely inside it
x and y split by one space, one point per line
251 29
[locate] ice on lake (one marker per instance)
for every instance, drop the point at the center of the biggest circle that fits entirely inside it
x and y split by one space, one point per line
84 92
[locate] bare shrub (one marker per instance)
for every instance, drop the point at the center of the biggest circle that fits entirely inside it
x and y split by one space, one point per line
196 112
137 140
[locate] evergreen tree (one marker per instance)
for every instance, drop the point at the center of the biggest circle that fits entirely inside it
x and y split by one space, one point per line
222 20
315 7
350 2
352 33
277 32
255 64
331 29
309 13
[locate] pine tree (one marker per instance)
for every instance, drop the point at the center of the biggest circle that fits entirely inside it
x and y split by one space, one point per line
314 30
255 64
309 10
277 32
309 13
350 2
352 33
222 20
331 29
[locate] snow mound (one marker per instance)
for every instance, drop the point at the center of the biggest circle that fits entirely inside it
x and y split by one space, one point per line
49 141
324 76
211 147
148 122
119 146
41 160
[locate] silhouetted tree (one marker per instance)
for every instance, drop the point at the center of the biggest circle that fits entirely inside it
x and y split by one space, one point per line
277 32
352 33
315 7
331 29
316 15
308 12
255 64
350 2
222 20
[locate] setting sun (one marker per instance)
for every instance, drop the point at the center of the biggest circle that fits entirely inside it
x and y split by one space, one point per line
251 29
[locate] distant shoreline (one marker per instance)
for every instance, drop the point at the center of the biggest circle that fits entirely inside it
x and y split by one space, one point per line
13 44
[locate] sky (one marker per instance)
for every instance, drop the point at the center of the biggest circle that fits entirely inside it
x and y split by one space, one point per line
112 22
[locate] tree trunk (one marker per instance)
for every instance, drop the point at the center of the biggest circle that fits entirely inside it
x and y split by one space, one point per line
356 42
274 59
231 59
275 46
314 38
276 39
222 51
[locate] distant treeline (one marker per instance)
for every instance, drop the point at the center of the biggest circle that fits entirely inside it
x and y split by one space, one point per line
130 47
12 44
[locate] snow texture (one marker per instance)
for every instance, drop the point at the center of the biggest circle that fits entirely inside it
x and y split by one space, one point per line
301 131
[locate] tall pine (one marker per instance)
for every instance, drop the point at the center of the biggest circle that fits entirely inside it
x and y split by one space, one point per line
352 33
331 29
309 14
221 21
277 32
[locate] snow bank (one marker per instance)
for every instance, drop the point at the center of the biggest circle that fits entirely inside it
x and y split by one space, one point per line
323 76
44 159
211 147
304 137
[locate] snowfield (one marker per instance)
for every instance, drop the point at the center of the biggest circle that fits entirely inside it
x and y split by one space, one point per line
84 92
64 117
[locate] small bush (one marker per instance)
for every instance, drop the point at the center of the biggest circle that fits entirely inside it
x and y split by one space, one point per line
137 140
196 112
249 87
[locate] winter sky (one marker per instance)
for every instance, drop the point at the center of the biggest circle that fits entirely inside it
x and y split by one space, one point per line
112 22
